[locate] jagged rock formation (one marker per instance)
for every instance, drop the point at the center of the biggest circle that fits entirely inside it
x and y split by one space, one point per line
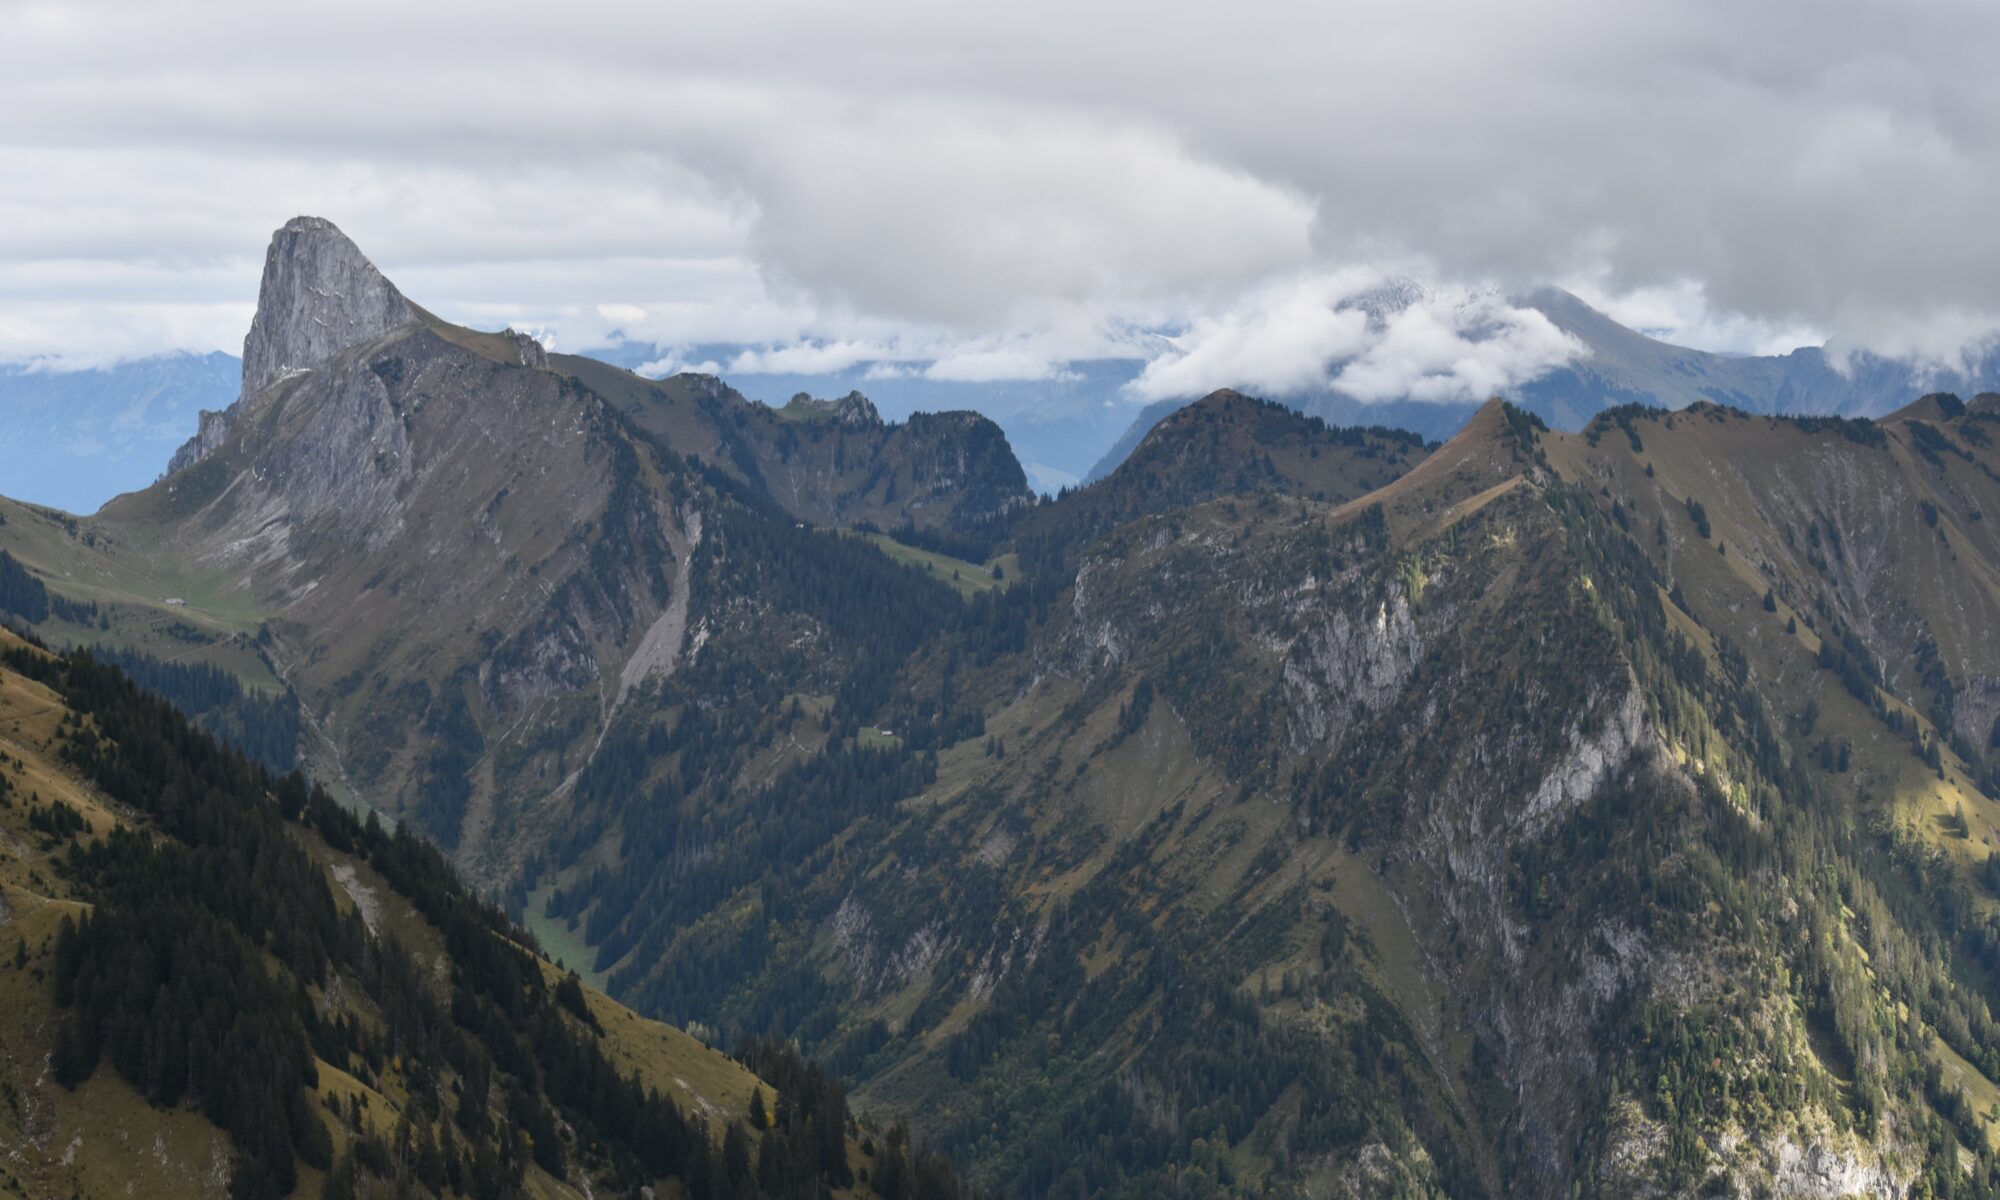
320 295
211 432
453 531
854 410
528 351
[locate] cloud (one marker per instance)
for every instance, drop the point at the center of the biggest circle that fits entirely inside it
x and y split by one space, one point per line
674 364
808 358
1371 337
987 215
1681 314
994 363
77 336
1281 343
1455 347
919 176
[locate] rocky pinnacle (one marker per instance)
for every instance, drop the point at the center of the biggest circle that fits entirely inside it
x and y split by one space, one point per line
320 295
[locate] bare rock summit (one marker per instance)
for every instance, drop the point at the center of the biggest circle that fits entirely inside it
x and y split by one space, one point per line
319 296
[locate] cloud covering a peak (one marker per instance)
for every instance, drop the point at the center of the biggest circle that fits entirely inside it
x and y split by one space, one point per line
1364 337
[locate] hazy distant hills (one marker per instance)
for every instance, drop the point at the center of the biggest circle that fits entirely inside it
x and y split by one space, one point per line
74 439
1625 367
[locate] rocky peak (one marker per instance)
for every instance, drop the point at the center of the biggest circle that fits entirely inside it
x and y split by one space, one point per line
528 350
853 410
1225 404
1226 398
1932 406
319 296
208 438
1231 429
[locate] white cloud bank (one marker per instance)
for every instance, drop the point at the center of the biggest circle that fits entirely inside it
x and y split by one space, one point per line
1357 334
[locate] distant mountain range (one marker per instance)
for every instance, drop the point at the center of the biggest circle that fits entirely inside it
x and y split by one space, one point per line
1624 366
113 428
1628 367
74 439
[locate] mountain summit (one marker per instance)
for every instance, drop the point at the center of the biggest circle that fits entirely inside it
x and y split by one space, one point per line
439 527
320 295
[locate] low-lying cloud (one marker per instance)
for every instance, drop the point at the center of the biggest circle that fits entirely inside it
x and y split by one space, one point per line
1368 338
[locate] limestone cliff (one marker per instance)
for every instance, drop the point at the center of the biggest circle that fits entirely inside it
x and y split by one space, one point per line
319 296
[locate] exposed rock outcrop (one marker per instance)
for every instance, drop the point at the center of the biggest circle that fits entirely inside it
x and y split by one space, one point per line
528 350
852 411
320 295
209 436
1347 664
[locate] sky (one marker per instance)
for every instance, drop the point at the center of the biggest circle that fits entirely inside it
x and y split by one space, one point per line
990 191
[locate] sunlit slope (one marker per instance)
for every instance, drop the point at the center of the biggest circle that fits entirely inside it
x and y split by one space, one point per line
60 834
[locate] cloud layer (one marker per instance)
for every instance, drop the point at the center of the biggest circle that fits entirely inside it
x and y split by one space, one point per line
990 191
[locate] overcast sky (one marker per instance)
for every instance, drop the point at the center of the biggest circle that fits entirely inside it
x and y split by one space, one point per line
990 190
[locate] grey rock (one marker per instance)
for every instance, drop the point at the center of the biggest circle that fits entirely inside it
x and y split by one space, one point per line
528 351
320 295
853 410
208 438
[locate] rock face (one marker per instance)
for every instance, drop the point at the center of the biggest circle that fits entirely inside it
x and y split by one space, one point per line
1349 664
494 531
320 295
527 350
852 411
208 438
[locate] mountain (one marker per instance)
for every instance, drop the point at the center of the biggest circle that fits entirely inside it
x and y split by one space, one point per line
1625 367
437 529
1429 421
221 983
1057 425
1230 444
1620 366
1296 810
74 439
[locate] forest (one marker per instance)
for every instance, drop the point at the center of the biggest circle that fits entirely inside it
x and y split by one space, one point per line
200 974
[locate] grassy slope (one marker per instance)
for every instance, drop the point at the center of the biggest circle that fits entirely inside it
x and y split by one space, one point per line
1752 475
967 578
1729 587
131 577
1747 473
105 1139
